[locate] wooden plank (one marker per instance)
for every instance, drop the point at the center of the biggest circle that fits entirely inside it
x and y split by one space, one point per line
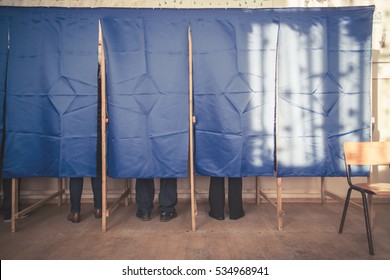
103 129
116 203
279 204
191 133
266 197
14 204
39 203
60 187
258 190
323 189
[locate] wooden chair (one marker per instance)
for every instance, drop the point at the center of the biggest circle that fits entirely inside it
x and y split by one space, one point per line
365 153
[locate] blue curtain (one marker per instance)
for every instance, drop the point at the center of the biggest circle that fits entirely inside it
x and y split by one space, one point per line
323 85
147 91
234 56
51 117
324 88
3 70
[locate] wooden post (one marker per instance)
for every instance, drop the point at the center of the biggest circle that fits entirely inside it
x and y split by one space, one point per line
15 205
191 132
323 190
103 130
60 187
128 188
279 203
257 182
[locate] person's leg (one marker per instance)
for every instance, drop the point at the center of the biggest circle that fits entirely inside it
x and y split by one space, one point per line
236 209
75 190
217 198
144 195
7 198
167 198
96 183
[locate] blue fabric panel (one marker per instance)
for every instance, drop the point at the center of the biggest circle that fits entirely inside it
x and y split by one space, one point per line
51 120
324 88
234 91
147 88
3 68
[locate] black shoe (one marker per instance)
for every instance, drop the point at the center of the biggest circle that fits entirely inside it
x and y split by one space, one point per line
143 216
74 217
167 216
237 217
219 218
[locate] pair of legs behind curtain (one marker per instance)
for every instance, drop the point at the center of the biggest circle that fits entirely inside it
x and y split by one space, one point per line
217 198
167 198
76 190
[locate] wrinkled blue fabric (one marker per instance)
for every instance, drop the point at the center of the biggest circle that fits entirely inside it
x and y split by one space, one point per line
51 116
51 95
3 69
324 88
147 91
234 92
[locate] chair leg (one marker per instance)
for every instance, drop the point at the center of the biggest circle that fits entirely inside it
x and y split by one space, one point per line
345 210
368 224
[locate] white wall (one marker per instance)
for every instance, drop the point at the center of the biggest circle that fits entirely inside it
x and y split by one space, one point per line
294 189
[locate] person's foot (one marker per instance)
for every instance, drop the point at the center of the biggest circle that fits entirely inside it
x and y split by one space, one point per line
167 216
7 219
237 217
143 216
74 217
219 218
98 213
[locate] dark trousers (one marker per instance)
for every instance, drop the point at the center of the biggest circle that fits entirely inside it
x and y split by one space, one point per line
7 198
76 189
144 194
217 197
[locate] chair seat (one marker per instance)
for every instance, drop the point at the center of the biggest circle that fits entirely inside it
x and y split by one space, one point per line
376 188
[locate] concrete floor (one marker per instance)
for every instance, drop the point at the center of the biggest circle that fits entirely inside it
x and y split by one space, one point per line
310 233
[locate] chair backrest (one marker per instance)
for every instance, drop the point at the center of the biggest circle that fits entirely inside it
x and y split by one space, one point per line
367 153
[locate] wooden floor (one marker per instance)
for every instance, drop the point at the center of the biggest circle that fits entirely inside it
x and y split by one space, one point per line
310 232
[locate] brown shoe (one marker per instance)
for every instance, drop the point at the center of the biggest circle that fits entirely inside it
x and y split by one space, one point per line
74 217
98 213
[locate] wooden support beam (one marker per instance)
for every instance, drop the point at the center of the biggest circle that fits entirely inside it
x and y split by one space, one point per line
15 199
39 203
103 129
191 133
115 205
323 189
280 212
259 192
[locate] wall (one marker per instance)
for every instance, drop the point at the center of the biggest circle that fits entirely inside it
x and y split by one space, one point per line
294 189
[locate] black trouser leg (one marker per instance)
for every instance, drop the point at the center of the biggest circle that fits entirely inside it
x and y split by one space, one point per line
75 190
217 197
97 191
236 209
168 195
144 194
7 199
